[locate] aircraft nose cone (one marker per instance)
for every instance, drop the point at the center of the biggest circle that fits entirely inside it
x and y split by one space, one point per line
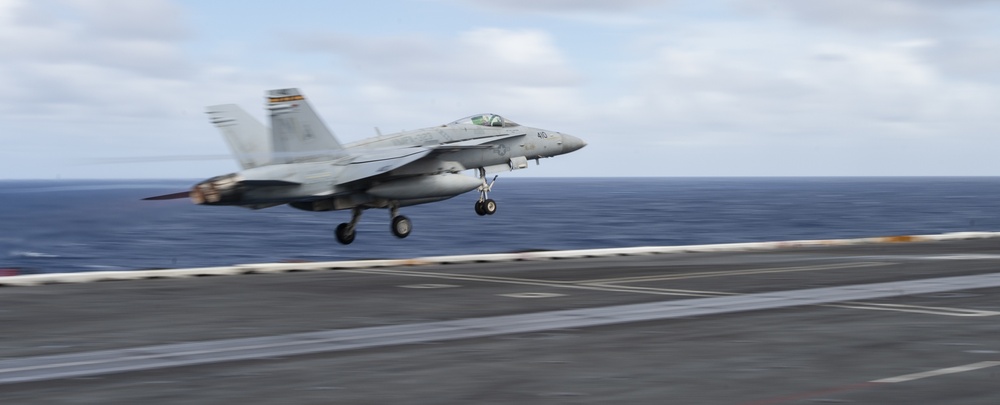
571 143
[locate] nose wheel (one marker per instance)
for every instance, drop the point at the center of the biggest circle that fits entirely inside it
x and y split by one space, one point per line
485 205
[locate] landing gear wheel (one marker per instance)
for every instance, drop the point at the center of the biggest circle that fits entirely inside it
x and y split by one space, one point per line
401 226
479 208
489 206
343 236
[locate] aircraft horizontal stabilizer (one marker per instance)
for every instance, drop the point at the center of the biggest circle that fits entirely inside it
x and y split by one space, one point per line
172 196
269 183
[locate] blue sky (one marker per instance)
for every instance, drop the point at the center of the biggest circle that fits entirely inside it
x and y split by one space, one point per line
657 87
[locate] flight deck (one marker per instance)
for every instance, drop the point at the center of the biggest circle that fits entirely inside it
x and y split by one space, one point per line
912 322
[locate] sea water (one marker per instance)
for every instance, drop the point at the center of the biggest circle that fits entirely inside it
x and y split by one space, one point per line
91 225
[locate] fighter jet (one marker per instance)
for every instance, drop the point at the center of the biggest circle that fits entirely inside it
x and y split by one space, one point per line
299 162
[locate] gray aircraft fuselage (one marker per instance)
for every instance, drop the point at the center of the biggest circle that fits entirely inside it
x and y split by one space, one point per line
298 161
318 190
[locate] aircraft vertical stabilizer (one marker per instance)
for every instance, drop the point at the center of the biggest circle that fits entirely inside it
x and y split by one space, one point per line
248 139
298 134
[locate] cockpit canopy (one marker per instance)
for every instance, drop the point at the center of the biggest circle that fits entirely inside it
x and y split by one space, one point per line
486 120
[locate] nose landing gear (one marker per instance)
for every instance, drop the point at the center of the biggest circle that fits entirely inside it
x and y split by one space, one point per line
485 205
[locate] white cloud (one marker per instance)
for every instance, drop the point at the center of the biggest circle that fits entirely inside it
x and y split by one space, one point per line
562 6
148 20
415 81
90 57
94 32
766 88
750 98
971 59
86 79
479 59
877 15
593 12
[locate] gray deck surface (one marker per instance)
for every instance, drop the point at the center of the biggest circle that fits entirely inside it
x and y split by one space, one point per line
785 351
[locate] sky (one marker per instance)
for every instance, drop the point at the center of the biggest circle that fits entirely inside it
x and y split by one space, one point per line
656 87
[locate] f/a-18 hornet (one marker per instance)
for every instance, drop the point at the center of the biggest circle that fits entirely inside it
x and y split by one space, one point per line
299 162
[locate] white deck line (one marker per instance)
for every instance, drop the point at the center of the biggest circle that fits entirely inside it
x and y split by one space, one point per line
88 277
939 372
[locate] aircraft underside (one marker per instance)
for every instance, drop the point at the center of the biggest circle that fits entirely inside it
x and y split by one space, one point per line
400 225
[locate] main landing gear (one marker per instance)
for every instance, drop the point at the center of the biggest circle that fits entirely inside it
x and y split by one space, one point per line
345 232
485 205
401 225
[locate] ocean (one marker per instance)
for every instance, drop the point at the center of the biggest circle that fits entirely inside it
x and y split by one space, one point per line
49 226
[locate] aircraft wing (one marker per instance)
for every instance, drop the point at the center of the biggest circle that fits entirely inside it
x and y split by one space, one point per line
478 143
356 167
376 162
